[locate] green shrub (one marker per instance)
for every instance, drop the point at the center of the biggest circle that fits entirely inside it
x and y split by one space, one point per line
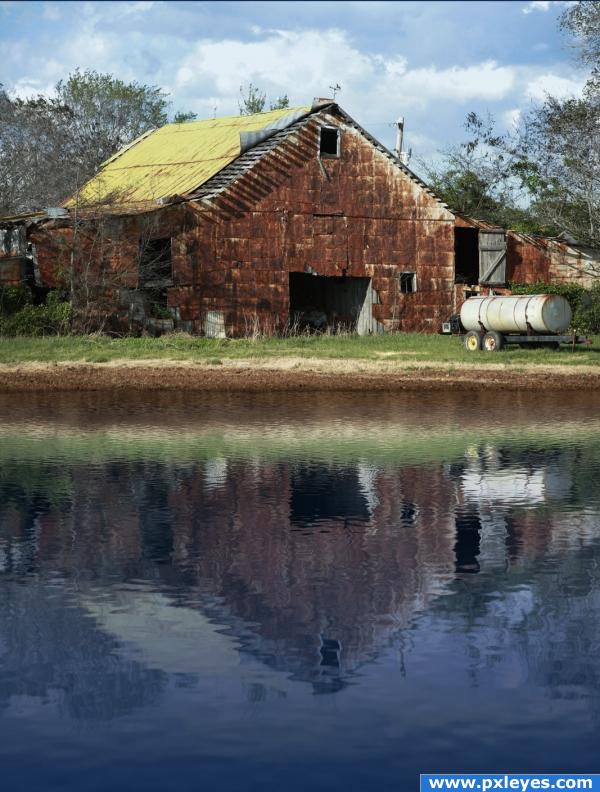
38 320
572 292
160 312
586 319
13 299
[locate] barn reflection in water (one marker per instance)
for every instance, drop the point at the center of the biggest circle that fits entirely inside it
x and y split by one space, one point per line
312 568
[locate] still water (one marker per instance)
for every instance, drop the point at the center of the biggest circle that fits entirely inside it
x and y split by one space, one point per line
296 592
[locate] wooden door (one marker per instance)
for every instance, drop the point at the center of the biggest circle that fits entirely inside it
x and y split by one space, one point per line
492 258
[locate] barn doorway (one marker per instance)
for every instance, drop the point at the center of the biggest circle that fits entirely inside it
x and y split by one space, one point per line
331 304
466 255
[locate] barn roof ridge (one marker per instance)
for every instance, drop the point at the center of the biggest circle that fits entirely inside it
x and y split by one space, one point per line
242 164
152 169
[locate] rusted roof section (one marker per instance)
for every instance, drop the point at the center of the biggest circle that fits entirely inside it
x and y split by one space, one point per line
466 221
179 158
244 163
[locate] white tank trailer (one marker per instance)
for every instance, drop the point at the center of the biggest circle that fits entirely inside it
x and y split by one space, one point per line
533 319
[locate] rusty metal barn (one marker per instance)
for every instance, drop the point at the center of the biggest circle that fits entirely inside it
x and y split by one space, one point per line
278 221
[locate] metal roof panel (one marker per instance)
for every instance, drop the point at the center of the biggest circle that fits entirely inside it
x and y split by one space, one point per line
178 158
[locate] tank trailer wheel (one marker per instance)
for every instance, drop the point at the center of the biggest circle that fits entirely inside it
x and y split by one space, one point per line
493 341
472 341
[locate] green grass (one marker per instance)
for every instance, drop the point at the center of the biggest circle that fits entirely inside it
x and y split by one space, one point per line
401 348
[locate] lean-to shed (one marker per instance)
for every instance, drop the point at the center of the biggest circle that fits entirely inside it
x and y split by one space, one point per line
488 257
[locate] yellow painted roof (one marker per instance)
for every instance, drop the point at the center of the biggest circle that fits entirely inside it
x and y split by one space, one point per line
176 158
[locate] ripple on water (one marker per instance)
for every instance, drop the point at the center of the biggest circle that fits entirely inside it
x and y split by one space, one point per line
307 581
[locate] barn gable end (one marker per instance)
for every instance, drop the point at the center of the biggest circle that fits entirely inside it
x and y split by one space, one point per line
287 223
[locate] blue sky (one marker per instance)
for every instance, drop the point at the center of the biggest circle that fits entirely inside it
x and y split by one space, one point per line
431 62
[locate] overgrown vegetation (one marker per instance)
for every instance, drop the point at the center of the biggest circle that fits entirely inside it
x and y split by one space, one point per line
19 317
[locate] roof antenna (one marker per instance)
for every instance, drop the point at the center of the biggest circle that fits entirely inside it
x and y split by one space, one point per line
335 88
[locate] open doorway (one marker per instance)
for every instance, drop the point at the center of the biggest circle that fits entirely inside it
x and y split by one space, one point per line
466 255
321 303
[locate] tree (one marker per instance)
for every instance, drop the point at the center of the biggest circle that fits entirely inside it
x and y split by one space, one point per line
107 113
480 177
582 21
253 101
560 141
561 163
281 103
50 146
181 117
545 176
34 171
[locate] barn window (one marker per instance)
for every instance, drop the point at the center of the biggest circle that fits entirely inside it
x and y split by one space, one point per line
408 282
329 142
155 261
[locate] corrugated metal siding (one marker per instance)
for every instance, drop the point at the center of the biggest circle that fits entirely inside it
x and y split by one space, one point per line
361 216
532 259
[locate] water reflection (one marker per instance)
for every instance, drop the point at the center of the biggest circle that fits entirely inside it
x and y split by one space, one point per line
126 577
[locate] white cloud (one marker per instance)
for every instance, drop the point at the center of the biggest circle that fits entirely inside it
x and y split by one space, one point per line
133 41
536 5
553 85
512 117
27 89
314 60
544 5
138 7
485 80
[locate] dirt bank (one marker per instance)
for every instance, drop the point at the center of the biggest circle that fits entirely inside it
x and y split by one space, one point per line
284 374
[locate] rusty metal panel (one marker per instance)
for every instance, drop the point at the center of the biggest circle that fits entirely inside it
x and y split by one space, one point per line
10 272
362 217
532 259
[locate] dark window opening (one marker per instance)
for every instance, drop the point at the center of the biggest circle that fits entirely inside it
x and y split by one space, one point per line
155 262
321 498
467 547
408 282
330 651
155 276
329 142
466 255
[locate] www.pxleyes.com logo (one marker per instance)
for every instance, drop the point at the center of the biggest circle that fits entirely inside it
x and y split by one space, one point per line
518 783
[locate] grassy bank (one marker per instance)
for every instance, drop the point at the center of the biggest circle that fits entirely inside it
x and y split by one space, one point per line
403 348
